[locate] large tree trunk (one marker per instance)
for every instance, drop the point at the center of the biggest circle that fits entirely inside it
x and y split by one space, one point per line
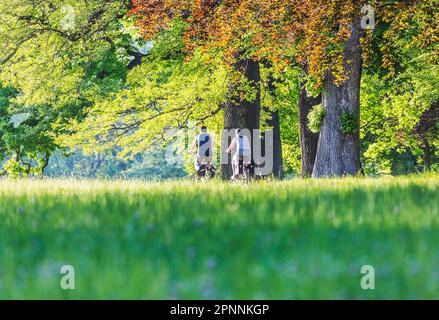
308 139
273 121
239 113
338 153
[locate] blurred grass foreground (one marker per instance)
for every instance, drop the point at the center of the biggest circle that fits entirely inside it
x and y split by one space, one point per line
298 239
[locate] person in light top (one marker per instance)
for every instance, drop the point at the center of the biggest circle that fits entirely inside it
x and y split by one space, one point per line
240 143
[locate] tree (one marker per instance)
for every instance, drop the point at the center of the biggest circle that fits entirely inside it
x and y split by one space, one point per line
308 139
399 90
59 57
328 40
242 112
26 142
338 150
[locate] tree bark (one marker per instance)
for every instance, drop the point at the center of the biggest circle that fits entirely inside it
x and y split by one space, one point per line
274 122
338 153
240 113
308 139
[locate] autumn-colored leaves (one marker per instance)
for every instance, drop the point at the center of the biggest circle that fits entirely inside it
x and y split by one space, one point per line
306 32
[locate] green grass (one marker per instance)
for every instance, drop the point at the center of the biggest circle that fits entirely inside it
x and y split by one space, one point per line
299 239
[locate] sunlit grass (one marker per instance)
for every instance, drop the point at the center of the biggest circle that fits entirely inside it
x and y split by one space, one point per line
294 239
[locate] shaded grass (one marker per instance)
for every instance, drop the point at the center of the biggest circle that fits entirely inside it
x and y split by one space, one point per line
299 239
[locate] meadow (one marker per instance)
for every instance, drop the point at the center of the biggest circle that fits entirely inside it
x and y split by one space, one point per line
297 239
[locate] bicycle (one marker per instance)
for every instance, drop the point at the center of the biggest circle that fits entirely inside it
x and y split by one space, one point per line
206 171
244 171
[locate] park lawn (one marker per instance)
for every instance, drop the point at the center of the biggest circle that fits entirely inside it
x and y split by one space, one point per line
297 239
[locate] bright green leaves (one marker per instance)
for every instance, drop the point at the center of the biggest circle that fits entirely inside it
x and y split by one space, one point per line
316 117
25 136
61 57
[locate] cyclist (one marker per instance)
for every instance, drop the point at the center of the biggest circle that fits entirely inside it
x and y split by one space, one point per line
203 143
241 144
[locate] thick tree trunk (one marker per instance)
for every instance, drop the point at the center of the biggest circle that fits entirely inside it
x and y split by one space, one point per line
239 113
308 139
274 122
338 153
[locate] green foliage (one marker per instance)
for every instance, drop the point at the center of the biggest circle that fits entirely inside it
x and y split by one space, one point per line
161 95
390 110
349 122
283 96
26 141
54 66
315 118
399 85
56 73
176 237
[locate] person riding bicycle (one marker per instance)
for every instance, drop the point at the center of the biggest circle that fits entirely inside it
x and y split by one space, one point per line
203 143
241 145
